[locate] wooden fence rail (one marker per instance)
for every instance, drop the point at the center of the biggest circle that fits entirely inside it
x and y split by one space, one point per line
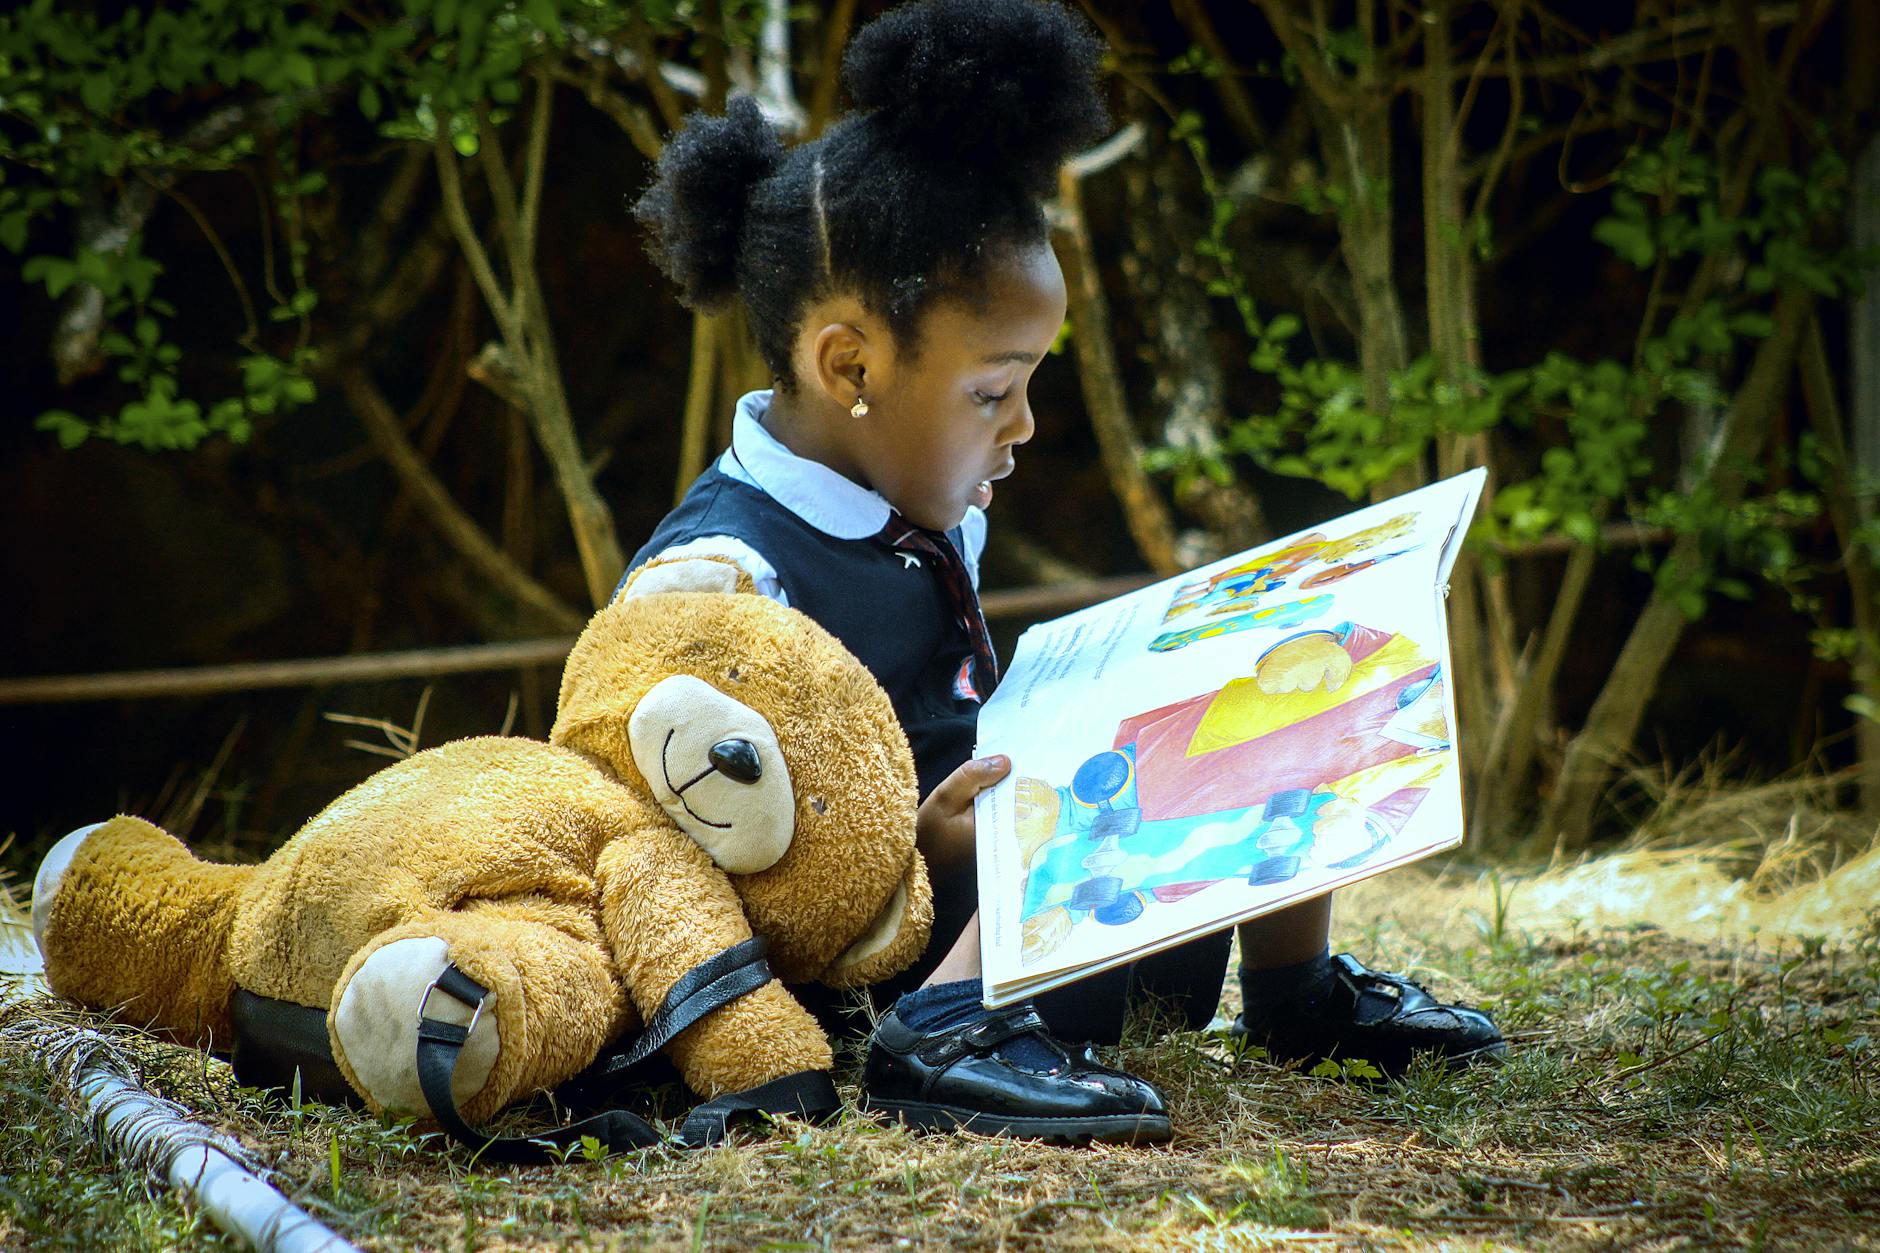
1030 602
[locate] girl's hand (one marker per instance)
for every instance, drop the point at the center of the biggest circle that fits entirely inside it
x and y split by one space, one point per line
944 827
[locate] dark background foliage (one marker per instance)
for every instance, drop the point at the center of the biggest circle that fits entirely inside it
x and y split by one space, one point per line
1268 238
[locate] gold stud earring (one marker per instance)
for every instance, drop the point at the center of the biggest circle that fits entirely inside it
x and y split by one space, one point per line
859 409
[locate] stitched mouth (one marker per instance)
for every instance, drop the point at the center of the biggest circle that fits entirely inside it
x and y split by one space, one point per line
678 795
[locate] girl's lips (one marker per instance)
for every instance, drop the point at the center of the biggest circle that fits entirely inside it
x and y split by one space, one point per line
981 495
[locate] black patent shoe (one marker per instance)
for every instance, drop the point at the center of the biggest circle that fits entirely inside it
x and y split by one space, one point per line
1384 1019
954 1078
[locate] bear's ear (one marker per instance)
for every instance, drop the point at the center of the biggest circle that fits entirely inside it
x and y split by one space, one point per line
686 574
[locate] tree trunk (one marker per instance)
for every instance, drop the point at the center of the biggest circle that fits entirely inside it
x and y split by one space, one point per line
1357 149
1620 707
1846 512
1450 307
1189 392
1144 510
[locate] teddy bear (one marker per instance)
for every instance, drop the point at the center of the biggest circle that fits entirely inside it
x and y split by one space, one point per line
720 770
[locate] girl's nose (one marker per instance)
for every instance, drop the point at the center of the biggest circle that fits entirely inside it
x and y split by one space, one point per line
1023 425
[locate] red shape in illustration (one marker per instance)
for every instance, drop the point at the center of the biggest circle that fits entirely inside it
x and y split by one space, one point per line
1171 784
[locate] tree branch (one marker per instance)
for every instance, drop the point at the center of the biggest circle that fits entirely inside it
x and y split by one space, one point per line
495 165
450 181
1145 511
698 401
640 36
1614 719
1236 100
773 61
822 97
434 501
535 160
634 121
1323 81
1844 509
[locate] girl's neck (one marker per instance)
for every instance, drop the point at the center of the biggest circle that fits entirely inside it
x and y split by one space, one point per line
814 432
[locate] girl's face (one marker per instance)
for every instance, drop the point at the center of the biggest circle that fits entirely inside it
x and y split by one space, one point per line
943 424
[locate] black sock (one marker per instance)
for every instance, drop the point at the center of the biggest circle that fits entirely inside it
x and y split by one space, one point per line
1270 993
939 1006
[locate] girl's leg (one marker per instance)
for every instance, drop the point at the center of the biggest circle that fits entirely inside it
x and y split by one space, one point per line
962 960
1181 986
939 1059
1287 936
1300 1003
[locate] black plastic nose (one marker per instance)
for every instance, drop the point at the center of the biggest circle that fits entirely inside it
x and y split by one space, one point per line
736 759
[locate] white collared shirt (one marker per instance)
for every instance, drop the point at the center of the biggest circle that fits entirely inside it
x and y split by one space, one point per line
833 504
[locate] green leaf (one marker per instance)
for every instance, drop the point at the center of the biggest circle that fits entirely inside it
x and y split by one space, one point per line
298 69
13 230
1284 326
67 427
56 272
369 101
1267 357
1752 324
1629 238
96 91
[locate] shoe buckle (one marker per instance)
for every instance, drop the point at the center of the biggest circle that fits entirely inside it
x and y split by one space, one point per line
985 1034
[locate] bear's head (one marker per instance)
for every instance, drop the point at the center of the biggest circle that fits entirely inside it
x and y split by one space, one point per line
765 741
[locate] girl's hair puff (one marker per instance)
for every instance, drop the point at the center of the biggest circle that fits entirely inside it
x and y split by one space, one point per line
965 111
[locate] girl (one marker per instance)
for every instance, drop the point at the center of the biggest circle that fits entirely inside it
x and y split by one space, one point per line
898 279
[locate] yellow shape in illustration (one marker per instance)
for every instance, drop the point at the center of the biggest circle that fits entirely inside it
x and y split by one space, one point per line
1240 711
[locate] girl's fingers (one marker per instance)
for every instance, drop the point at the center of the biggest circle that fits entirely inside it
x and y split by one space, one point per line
972 777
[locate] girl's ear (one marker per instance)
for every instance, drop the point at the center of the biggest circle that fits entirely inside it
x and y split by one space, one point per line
847 361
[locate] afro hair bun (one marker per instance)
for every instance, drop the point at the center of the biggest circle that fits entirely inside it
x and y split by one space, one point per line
694 211
1004 84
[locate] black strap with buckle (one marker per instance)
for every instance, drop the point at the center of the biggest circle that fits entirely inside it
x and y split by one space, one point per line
981 1036
710 985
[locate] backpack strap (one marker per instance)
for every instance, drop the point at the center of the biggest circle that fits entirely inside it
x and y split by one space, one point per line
712 984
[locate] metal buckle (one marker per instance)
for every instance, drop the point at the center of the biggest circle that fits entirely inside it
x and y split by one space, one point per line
476 1010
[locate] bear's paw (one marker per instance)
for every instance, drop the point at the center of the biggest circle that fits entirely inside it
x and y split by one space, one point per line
375 1026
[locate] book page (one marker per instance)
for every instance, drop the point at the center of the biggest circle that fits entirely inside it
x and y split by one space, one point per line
1223 743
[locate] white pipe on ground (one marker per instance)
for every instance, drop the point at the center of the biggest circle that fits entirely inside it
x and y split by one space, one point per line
190 1157
151 1131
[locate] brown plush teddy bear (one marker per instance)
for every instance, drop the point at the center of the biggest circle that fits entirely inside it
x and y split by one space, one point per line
720 769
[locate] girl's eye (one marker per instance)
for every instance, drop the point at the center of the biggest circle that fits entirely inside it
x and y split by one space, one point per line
984 399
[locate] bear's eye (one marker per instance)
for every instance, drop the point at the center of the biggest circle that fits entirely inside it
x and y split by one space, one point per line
818 804
732 674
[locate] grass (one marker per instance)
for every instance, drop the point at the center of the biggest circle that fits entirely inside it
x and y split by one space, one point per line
1709 1082
1662 1093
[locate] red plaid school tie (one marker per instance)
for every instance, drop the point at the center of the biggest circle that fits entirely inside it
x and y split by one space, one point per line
904 536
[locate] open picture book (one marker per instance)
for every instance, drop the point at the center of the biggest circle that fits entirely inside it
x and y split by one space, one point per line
1223 743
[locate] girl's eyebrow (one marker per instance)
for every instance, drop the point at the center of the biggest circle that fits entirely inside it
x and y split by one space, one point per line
1017 354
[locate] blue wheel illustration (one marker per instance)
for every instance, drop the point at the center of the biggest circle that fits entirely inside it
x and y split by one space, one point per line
1096 893
1102 778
